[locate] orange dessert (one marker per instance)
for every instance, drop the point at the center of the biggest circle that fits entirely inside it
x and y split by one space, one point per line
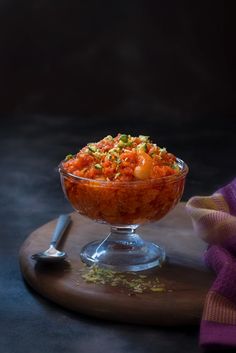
123 180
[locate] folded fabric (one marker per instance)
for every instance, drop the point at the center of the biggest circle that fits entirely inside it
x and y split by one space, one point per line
214 220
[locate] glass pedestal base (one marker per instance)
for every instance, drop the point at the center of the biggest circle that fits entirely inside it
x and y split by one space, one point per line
123 250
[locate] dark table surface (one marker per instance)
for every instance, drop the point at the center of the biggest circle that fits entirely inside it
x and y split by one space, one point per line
31 148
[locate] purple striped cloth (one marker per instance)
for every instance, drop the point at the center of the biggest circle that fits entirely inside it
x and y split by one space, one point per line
214 220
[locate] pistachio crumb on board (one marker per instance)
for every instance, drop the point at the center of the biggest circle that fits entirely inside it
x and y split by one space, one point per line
130 282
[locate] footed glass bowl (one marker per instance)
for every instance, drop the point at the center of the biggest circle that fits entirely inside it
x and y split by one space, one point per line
124 206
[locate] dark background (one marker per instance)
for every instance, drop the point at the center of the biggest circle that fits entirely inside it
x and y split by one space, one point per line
72 72
132 57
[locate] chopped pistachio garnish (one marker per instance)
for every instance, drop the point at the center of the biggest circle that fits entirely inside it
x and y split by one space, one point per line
118 160
144 138
162 150
142 147
116 176
98 166
157 289
114 151
69 156
175 166
121 144
98 154
124 138
92 148
109 137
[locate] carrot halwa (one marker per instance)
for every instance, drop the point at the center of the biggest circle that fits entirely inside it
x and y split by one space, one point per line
123 180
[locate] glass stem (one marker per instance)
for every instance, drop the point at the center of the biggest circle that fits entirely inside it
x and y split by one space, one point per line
125 238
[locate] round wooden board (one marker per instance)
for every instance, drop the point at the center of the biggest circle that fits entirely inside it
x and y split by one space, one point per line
185 276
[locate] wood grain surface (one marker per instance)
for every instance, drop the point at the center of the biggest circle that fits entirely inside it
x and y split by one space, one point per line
185 278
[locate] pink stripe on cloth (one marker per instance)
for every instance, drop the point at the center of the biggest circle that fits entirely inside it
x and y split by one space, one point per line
214 220
229 193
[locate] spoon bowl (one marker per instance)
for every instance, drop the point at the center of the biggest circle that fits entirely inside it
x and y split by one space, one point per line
52 254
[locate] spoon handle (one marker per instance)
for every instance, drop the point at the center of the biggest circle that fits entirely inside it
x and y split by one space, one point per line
62 223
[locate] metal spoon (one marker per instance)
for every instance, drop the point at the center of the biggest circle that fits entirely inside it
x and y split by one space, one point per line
52 254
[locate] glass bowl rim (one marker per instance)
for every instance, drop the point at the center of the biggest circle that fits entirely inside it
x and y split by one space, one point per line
169 178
